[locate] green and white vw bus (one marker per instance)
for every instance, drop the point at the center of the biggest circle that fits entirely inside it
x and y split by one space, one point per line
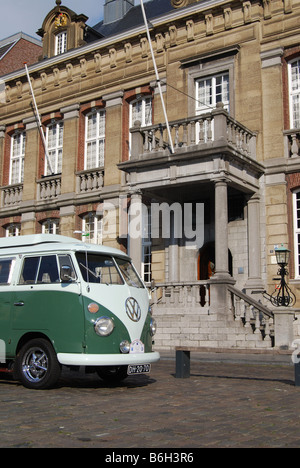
65 302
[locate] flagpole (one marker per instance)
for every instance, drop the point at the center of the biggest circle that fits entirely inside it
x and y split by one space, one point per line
157 77
39 121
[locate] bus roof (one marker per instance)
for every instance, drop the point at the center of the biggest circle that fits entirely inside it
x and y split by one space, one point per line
47 242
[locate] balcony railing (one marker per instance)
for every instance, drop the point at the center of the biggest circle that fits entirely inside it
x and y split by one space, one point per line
202 130
88 181
11 195
181 294
292 143
48 188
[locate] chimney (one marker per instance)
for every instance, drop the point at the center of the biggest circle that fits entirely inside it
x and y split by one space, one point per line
115 10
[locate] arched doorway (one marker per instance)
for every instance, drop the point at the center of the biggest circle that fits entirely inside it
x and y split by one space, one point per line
206 266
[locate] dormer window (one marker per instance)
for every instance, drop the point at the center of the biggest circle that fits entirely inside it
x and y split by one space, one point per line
61 43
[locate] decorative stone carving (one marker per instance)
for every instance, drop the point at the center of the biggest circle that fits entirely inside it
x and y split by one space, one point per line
97 61
69 68
144 46
128 52
113 57
179 3
190 28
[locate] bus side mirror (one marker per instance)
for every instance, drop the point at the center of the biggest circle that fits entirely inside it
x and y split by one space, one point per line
65 273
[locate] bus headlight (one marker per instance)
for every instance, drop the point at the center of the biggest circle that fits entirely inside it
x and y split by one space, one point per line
104 326
152 327
125 347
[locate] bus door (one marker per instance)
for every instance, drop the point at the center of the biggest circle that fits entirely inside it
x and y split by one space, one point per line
48 299
6 271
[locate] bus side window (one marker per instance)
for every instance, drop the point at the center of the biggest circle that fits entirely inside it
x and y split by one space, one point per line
5 270
29 272
65 260
48 271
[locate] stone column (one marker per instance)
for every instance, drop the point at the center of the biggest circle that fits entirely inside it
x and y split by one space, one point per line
135 230
254 245
221 230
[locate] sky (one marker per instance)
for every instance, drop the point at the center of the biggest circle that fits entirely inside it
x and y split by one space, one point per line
28 15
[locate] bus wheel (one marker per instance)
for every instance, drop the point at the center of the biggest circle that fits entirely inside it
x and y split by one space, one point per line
36 365
112 374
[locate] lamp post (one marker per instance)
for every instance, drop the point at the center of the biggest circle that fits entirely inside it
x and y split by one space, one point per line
283 296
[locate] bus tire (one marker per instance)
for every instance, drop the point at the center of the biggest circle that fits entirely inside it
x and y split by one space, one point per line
112 374
36 365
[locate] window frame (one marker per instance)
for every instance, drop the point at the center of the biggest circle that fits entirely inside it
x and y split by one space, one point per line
52 224
292 93
20 157
16 226
296 232
201 108
97 231
61 43
143 98
99 138
56 149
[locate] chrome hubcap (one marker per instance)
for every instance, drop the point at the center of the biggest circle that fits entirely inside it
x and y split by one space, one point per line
35 364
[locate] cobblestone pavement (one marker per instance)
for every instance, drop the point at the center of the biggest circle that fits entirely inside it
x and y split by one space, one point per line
222 404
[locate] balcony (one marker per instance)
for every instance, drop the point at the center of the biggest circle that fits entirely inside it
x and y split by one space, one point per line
292 143
11 196
89 182
205 146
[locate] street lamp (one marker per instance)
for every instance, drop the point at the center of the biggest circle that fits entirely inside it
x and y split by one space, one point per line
282 296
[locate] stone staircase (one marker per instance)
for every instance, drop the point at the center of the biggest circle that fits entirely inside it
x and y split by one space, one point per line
185 317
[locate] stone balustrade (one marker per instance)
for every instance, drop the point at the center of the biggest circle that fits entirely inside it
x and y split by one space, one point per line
48 188
89 181
203 130
185 293
292 143
11 196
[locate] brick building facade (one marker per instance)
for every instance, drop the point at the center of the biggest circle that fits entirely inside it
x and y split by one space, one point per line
17 49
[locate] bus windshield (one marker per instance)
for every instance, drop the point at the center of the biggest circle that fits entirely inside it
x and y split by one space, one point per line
103 269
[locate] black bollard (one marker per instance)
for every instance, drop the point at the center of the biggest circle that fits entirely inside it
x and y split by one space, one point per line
182 364
297 374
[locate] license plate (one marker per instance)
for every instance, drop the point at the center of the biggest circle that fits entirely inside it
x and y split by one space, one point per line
138 369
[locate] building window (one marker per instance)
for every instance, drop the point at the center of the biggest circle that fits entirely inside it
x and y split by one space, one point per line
294 91
17 154
94 139
50 226
210 91
141 110
61 43
54 139
92 228
296 215
13 230
146 246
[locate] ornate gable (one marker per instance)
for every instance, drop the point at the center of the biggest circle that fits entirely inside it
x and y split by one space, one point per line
62 30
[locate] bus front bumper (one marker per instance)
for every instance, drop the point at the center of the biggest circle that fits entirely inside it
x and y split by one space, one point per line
68 359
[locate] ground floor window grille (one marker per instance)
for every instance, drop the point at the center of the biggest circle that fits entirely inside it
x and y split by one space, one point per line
296 212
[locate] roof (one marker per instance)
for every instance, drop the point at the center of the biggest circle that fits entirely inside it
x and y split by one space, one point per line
7 43
134 17
38 243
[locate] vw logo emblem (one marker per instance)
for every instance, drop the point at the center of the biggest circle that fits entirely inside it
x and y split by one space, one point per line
133 309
